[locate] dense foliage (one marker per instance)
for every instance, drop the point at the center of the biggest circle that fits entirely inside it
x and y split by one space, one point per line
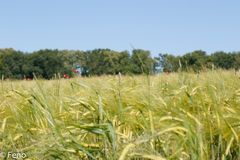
49 63
199 60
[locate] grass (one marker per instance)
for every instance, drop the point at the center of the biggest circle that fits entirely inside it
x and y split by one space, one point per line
176 116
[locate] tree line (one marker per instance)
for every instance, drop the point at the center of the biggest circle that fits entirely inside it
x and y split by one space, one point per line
49 63
199 60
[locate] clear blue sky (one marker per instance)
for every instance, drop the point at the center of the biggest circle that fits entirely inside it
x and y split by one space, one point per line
166 26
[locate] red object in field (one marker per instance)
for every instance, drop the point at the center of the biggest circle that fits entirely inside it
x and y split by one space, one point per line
66 76
74 70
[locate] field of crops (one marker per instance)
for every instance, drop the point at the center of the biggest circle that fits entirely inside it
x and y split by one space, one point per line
175 116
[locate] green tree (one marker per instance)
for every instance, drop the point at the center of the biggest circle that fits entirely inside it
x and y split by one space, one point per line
223 60
124 61
11 63
195 60
104 61
141 62
45 64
